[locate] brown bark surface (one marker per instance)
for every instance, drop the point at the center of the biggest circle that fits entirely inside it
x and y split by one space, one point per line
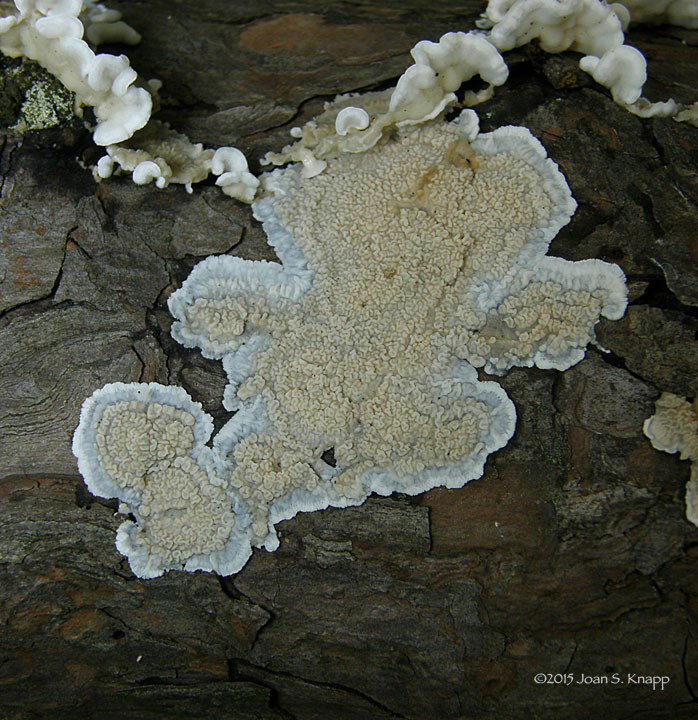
570 555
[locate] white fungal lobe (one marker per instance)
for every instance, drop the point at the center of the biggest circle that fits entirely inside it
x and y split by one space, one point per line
145 447
349 118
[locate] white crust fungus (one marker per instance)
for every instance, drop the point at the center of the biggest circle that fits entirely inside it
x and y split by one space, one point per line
145 444
363 342
674 428
596 29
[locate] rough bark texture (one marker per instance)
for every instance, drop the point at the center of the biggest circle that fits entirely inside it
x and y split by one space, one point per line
572 553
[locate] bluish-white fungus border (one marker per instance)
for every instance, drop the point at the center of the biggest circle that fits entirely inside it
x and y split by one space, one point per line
225 276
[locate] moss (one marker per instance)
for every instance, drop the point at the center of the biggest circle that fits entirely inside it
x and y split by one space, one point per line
31 98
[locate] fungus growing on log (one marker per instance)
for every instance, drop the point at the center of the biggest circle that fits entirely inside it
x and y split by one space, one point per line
596 29
674 428
413 252
52 33
364 342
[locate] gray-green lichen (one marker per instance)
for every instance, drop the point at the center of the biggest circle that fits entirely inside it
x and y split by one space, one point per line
31 98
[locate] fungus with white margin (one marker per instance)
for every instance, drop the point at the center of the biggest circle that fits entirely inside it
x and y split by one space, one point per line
146 445
366 348
234 177
674 428
423 92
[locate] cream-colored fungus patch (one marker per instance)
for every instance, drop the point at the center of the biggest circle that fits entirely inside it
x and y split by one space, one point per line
145 446
151 455
674 428
131 436
351 364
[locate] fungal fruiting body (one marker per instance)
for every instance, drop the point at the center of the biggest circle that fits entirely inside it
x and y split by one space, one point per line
354 123
674 428
596 29
145 444
351 366
61 35
51 32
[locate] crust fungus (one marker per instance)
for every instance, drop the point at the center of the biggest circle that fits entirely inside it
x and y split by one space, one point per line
674 428
364 341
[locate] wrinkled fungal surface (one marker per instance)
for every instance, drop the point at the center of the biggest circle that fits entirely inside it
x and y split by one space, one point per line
352 365
674 428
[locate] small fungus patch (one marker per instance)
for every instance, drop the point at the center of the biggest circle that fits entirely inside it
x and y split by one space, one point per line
674 428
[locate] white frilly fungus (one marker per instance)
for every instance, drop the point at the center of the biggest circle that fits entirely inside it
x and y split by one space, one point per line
160 154
423 92
427 88
51 33
352 364
596 29
674 428
622 70
60 36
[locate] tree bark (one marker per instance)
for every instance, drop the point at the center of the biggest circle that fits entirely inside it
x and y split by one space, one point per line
571 557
